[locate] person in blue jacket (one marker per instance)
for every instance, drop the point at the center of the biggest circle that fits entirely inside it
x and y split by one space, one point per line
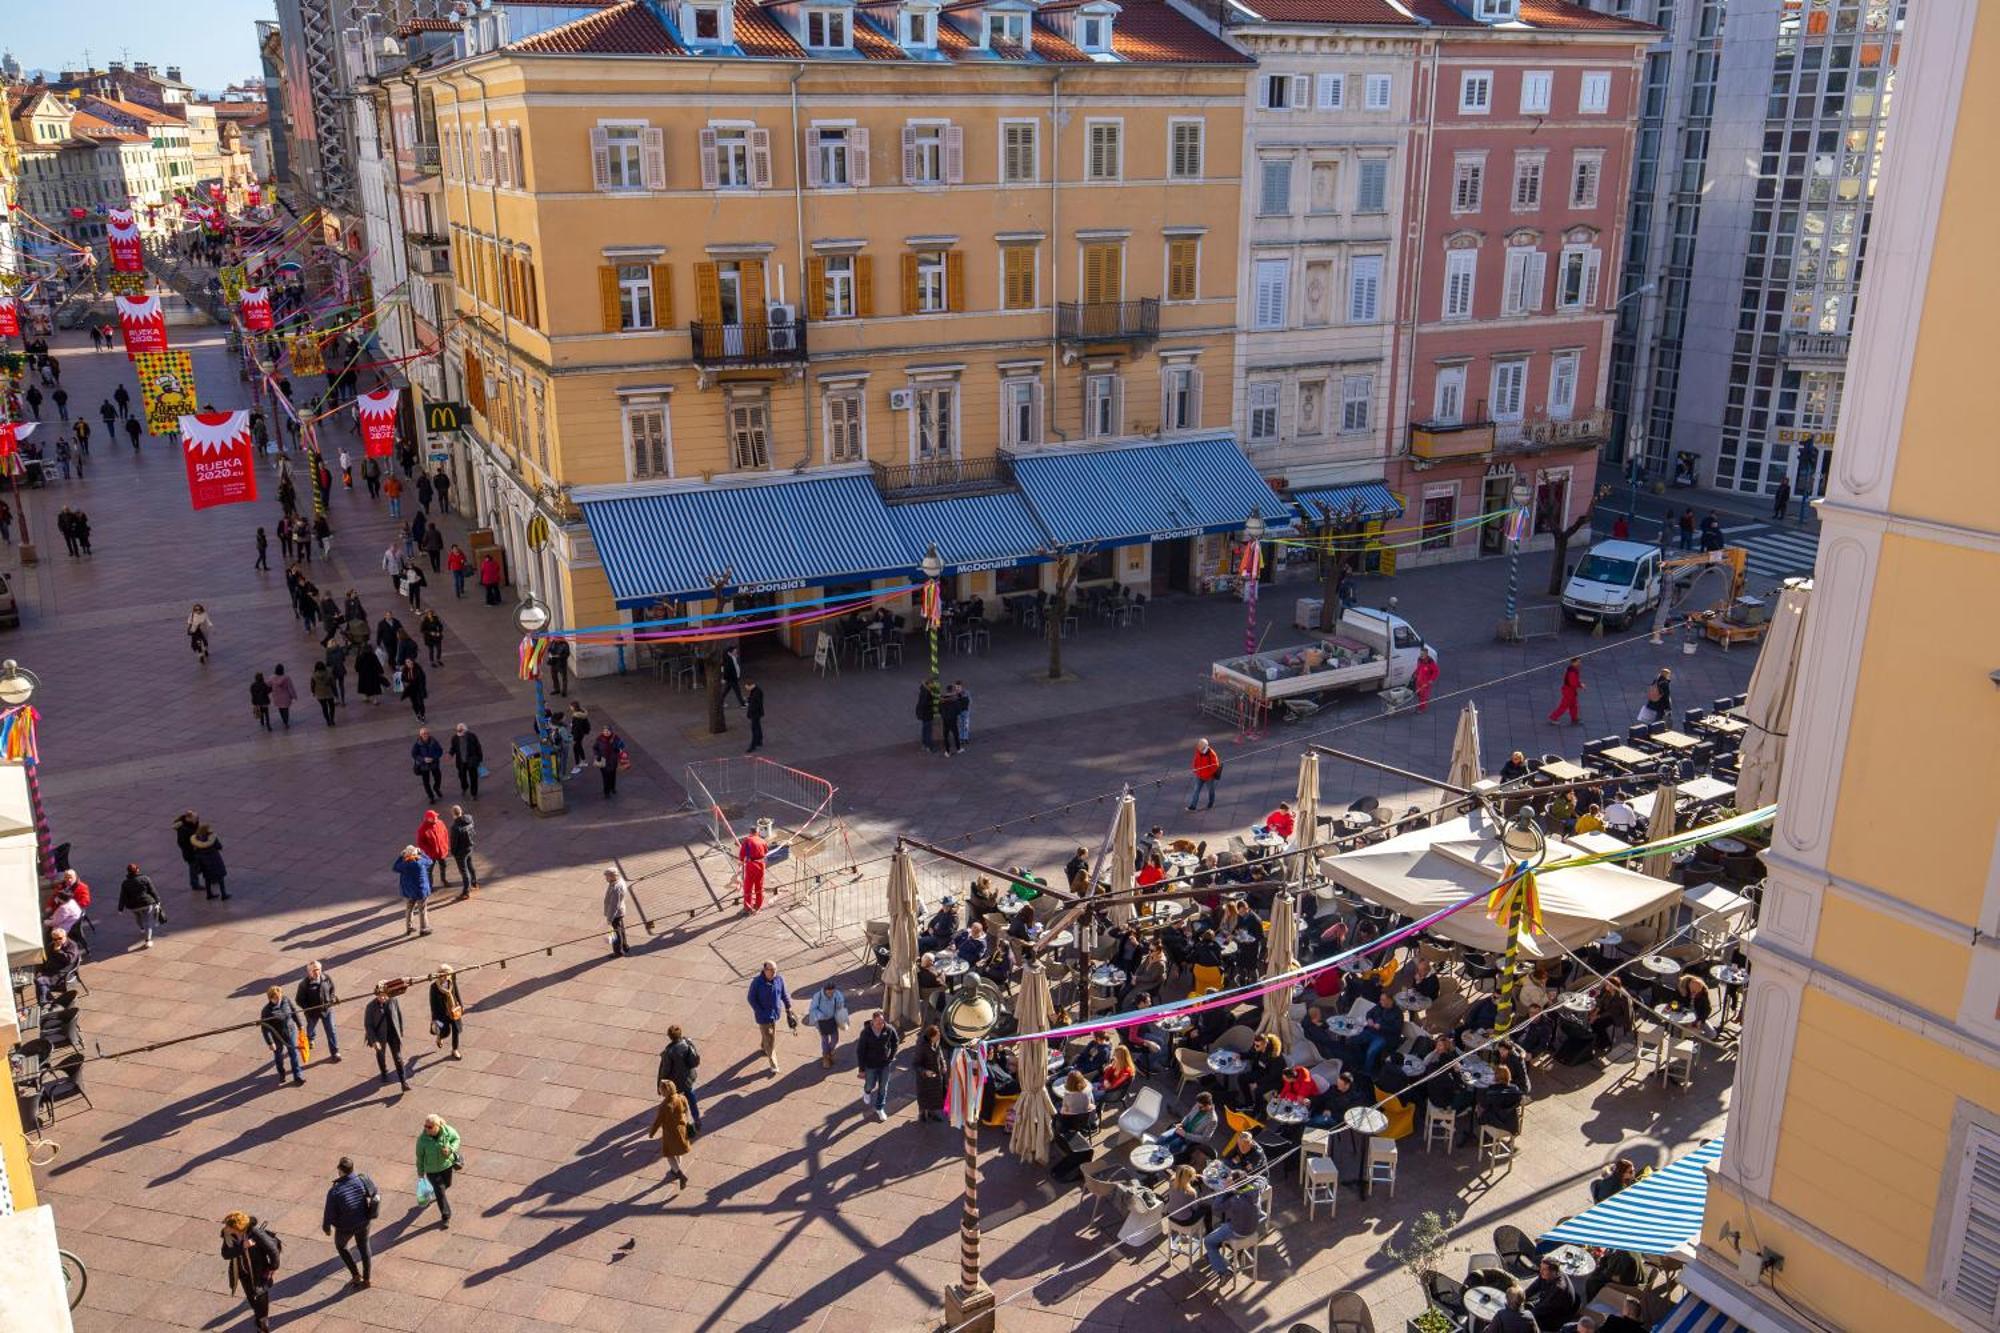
769 1000
413 880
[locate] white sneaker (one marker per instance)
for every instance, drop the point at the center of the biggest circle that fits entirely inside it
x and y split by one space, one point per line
880 1114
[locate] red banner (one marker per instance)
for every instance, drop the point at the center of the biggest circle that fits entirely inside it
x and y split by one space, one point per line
144 323
256 308
252 195
221 459
11 435
377 411
10 318
127 253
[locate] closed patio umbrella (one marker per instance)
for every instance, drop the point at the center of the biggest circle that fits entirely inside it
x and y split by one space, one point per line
899 981
1307 805
1768 708
1034 1119
1281 956
1661 864
1465 749
1124 858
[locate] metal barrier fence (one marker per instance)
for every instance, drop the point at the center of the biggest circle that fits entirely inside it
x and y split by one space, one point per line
844 905
759 788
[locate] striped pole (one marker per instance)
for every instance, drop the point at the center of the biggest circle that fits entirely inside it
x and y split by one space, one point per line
965 1095
1517 920
45 854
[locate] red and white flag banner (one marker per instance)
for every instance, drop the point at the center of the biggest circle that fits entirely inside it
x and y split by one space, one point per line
256 308
377 411
11 435
10 317
127 251
144 324
221 458
118 215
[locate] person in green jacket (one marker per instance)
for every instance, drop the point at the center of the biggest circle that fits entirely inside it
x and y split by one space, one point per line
437 1158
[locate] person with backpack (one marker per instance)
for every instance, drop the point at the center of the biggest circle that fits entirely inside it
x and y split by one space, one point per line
352 1205
253 1254
678 1061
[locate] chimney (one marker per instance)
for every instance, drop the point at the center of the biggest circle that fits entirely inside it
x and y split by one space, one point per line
143 70
173 74
116 67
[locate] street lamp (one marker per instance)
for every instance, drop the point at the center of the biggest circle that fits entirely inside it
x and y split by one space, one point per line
1253 561
17 684
532 617
932 606
1526 847
1517 531
1634 454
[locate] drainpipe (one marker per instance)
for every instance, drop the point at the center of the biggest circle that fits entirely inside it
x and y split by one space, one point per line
1415 303
1050 417
799 227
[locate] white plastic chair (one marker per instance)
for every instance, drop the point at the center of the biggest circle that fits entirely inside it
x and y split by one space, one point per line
1322 1187
1143 1114
1382 1157
1440 1122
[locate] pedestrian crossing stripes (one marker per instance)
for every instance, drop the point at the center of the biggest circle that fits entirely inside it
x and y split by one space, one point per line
1775 552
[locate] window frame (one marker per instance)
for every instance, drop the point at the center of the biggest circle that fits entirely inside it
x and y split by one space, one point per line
1114 128
634 407
1468 182
908 22
831 144
1370 83
1089 42
1543 80
1450 310
756 419
728 140
933 280
927 137
1373 267
1180 398
1363 168
1033 251
1034 151
632 292
1194 267
1266 164
925 397
1175 126
1482 80
1573 359
832 285
1013 29
1586 163
828 16
1103 412
1455 377
1260 266
848 393
1349 399
1255 410
636 178
1593 93
1021 394
1504 365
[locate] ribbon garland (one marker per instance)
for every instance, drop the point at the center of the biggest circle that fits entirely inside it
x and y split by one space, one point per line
17 735
1519 883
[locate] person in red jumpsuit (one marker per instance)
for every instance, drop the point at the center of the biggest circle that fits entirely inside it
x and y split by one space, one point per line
1425 678
1572 688
752 851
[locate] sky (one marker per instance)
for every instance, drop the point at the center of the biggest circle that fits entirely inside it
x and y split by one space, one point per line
218 47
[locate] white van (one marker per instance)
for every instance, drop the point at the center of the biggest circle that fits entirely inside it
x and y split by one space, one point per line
1369 649
1616 582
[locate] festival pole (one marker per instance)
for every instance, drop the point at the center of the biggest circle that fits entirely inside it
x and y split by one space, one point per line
1516 895
932 602
969 1306
1253 562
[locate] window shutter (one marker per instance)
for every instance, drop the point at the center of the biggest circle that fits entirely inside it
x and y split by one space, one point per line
1972 1261
760 159
909 283
711 173
753 292
503 164
1332 92
864 287
517 156
954 156
1590 264
814 178
909 154
815 288
707 294
857 157
663 295
653 146
475 384
1035 404
1538 278
1194 400
1302 91
1117 404
954 280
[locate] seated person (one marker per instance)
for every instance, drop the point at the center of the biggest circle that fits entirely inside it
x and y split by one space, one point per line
1147 977
1620 815
1591 820
1423 979
1480 1017
985 898
1571 1039
1118 1073
1076 1109
1338 1100
1146 1041
1507 1053
927 975
1498 1105
1610 1014
1513 1318
1539 988
1207 951
1550 1298
999 966
1281 821
1000 1081
1620 1266
1515 768
1076 870
1126 948
942 928
1195 1129
1243 1153
60 962
64 912
1095 1055
1265 1072
1024 926
1186 1204
1612 1179
1298 1085
1632 1319
1363 985
1561 812
1323 1038
1245 1210
971 944
1381 1033
1693 992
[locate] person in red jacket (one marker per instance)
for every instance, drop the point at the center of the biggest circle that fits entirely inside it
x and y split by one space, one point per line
434 841
1572 688
1281 821
1207 768
1424 679
460 565
77 889
753 850
489 577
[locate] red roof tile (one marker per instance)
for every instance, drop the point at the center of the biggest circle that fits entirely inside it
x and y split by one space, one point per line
414 26
1565 17
1376 13
1153 32
626 28
873 43
1535 15
760 34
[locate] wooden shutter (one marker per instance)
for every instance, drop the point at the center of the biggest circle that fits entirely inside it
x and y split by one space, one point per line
1100 274
813 178
711 173
760 159
707 294
864 287
663 296
954 155
534 297
1181 269
753 291
1017 264
1971 1279
517 156
816 288
653 149
954 280
909 154
475 384
857 157
909 283
503 165
1538 279
1301 92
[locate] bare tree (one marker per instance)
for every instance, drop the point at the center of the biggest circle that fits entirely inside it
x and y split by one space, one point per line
712 660
1069 564
1548 516
1338 538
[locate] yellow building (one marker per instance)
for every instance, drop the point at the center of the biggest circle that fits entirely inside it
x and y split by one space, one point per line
773 297
1860 1185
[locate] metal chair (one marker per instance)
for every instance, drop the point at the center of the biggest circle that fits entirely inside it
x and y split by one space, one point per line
1516 1247
65 1080
1346 1312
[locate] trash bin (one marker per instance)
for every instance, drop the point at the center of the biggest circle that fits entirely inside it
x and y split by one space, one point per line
537 776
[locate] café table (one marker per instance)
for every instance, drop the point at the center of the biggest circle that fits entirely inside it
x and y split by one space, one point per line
1728 974
1484 1304
1174 1023
1265 838
1473 1038
1106 977
1168 908
1247 937
1722 724
1226 1063
1287 1112
1660 965
1216 1174
1062 939
1476 1072
1343 1025
1577 1001
1706 791
1627 757
1414 1002
1562 770
1728 846
1573 1260
950 966
1366 1122
1011 906
1413 1065
1151 1158
1674 740
1609 942
1180 863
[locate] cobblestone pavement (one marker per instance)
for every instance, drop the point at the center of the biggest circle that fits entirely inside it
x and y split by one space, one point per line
801 1214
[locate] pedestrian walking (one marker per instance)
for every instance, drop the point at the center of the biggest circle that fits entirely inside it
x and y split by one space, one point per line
352 1205
752 853
393 488
1207 768
437 1158
673 1123
489 577
441 483
387 631
322 532
185 825
927 711
828 1014
1781 497
557 656
951 710
1686 525
611 756
679 1059
447 1008
416 691
322 689
1572 691
1659 705
732 674
66 526
434 841
927 1063
252 1254
413 882
335 663
459 565
753 711
138 896
434 546
371 477
1711 533
315 998
34 400
346 470
370 677
207 849
431 629
6 522
412 582
461 851
283 1031
260 700
617 893
283 694
964 713
109 415
467 757
875 1054
424 492
579 734
61 399
770 1001
83 531
1424 678
382 1026
132 433
263 551
81 429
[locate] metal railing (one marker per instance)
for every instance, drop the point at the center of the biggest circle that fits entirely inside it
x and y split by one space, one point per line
734 793
748 344
429 255
943 476
1107 321
429 160
1820 348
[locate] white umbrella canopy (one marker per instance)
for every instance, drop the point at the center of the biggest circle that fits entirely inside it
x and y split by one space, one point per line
1419 873
1768 709
1124 858
1034 1119
1306 803
899 982
1465 749
1661 864
1280 957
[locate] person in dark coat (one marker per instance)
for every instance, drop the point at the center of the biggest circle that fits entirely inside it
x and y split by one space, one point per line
753 712
253 1255
467 754
281 1027
315 998
207 850
382 1024
369 677
951 709
184 830
875 1053
351 1205
137 896
460 844
679 1059
557 657
417 690
447 1009
927 1063
427 761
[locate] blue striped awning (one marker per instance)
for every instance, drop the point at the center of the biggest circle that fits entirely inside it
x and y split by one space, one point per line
1656 1215
1094 498
1366 499
757 538
972 532
1695 1315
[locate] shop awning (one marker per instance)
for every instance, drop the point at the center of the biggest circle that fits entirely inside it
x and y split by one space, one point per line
1695 1315
972 532
1656 1215
1094 498
764 537
1366 500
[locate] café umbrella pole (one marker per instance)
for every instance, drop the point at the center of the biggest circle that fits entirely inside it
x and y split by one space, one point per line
933 612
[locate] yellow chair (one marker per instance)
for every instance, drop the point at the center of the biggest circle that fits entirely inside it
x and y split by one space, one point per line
1402 1118
1241 1123
1207 978
1001 1105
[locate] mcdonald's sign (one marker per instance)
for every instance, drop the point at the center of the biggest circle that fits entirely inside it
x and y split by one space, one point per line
446 416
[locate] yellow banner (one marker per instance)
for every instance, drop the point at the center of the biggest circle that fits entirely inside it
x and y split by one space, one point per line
128 284
166 383
232 278
307 357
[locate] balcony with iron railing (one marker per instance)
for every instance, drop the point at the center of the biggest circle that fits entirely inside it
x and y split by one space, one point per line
1438 441
726 346
429 255
1816 349
939 478
1107 321
428 159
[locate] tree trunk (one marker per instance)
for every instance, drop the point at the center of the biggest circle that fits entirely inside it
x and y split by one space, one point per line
1066 571
717 723
1559 553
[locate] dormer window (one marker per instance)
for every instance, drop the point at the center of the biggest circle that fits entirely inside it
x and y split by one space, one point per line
918 29
1497 11
706 23
1093 33
1006 30
826 30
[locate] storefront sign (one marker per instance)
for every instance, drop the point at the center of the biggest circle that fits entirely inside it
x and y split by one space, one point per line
445 416
980 566
788 585
1793 435
1175 535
